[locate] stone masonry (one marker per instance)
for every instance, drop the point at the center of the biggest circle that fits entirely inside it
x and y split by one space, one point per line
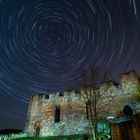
65 113
72 114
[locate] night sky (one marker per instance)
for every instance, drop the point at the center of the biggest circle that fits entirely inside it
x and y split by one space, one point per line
44 44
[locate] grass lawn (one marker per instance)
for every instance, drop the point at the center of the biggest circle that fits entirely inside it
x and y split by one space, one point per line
75 137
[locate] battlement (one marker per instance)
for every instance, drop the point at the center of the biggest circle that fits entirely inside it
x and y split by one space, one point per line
130 77
55 95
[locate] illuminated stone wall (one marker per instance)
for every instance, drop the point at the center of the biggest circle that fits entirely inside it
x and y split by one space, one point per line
41 112
72 115
123 93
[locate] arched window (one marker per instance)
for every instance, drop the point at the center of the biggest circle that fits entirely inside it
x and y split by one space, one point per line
128 110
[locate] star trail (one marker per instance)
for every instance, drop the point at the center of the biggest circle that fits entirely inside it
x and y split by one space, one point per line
44 44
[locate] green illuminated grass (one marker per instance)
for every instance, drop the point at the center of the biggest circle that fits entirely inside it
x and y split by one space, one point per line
77 137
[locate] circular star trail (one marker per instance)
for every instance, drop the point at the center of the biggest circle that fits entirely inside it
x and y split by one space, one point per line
44 44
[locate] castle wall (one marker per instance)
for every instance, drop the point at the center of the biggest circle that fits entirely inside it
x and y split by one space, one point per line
125 92
113 97
72 115
73 109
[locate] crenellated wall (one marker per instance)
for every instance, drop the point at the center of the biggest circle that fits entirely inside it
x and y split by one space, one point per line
41 112
72 115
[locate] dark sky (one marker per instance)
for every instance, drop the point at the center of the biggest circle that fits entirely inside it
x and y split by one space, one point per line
44 44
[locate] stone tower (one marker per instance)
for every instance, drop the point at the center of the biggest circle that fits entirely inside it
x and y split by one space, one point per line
57 114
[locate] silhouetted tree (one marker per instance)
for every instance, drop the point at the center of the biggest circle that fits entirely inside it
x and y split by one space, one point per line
96 99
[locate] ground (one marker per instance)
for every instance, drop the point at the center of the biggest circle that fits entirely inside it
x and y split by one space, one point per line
75 137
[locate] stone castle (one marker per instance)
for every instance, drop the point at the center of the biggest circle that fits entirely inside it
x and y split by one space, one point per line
65 113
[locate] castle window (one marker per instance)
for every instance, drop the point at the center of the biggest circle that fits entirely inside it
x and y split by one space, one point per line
87 110
46 96
61 94
57 114
77 91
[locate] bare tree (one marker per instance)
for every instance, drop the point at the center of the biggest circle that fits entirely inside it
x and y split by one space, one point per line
97 100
